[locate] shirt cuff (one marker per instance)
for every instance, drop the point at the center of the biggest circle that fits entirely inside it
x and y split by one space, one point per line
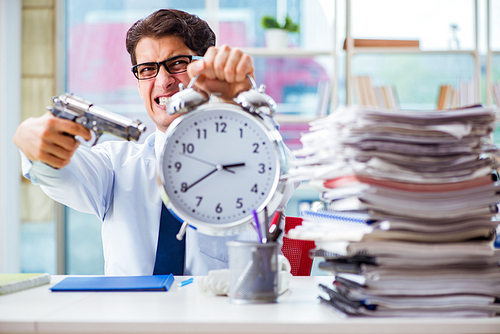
29 168
26 165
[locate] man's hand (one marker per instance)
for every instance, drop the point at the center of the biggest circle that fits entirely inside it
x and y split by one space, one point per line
223 70
49 139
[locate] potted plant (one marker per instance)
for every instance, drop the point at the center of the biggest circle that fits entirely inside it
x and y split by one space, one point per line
276 33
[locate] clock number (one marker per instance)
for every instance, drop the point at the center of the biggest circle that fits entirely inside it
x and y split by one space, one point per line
241 133
187 148
218 208
262 169
239 203
199 198
256 150
254 189
184 187
220 127
178 166
202 134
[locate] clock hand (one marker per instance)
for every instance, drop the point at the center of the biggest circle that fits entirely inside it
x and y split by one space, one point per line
200 160
241 164
225 167
202 178
211 164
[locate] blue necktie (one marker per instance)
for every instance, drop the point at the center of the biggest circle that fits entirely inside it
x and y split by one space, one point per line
170 251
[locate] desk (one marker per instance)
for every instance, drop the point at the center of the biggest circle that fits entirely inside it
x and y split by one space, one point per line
188 310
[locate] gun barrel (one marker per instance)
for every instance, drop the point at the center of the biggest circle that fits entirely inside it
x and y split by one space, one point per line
95 118
73 103
123 126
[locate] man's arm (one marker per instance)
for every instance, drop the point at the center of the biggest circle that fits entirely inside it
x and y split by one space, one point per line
49 139
223 70
48 143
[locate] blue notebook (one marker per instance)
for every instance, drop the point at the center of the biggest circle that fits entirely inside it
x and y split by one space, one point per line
115 283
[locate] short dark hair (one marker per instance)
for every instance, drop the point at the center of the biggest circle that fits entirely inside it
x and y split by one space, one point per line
196 33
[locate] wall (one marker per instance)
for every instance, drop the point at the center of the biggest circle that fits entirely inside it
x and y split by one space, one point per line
27 83
38 88
10 81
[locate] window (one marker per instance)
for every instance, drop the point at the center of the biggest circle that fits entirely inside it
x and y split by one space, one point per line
416 77
431 22
95 47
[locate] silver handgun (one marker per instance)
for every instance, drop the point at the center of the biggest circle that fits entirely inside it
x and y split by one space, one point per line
98 120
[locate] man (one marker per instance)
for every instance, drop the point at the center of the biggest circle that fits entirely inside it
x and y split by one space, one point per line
116 180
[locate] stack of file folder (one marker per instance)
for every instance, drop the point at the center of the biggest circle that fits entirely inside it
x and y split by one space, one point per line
410 212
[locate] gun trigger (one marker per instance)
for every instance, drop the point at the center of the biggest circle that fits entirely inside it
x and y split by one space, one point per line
97 136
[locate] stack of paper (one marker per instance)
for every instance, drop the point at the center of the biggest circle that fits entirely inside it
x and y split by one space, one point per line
410 205
15 282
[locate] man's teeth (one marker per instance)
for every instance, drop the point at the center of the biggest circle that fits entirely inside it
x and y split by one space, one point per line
162 101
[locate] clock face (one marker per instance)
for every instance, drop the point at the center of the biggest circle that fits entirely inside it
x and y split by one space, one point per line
219 164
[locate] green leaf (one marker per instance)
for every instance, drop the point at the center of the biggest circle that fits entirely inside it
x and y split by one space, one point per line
269 22
290 26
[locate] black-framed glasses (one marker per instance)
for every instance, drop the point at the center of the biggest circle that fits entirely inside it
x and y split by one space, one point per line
173 65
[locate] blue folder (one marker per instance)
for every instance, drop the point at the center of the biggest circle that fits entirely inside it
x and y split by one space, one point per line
115 283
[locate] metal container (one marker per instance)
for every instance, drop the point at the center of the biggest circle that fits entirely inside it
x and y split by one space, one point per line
253 272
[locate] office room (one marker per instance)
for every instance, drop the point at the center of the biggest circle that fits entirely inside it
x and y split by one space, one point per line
361 184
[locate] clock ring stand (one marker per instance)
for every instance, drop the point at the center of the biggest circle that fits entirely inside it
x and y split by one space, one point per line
222 161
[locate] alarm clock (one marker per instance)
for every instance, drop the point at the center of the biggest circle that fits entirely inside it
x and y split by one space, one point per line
222 161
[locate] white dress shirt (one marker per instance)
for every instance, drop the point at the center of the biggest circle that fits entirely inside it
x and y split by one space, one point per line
116 181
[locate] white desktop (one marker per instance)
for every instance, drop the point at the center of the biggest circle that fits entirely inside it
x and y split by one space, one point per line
187 309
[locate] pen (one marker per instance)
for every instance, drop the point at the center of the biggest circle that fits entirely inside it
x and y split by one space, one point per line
274 222
262 240
274 229
257 225
266 224
186 282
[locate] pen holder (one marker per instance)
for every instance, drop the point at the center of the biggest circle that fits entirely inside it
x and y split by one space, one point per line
253 272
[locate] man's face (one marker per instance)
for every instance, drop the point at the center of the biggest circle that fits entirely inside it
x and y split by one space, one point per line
164 85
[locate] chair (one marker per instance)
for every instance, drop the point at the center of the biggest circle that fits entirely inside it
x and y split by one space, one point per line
297 251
